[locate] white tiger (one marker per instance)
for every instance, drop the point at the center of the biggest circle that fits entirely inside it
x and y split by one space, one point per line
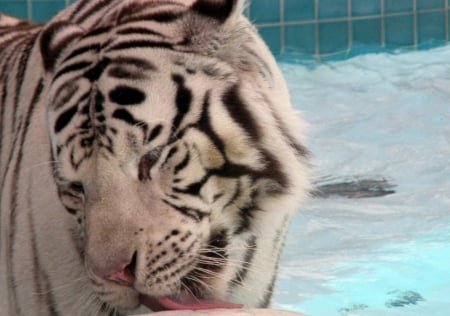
150 156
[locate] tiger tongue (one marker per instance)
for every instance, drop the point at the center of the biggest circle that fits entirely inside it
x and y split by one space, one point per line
164 303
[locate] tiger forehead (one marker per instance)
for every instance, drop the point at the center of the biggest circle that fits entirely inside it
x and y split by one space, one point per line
136 68
129 104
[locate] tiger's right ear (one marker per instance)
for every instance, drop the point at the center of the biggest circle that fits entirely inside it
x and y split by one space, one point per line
55 39
220 10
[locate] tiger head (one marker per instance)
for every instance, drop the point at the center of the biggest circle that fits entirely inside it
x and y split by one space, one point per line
170 153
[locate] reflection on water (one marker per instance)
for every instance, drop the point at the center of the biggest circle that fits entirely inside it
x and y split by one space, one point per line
377 117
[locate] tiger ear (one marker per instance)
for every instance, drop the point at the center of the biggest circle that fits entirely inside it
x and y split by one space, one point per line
216 28
55 39
220 10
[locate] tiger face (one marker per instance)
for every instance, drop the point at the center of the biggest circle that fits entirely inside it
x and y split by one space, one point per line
155 170
170 172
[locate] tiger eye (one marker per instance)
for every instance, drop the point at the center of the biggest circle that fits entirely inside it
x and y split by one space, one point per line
76 186
147 162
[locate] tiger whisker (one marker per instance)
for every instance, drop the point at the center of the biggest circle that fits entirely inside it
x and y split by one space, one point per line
56 288
200 282
46 163
229 262
211 275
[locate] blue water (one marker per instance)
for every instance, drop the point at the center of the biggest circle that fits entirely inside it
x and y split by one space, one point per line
375 116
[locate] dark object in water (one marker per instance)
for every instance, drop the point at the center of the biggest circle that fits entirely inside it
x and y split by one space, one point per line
404 298
351 310
354 189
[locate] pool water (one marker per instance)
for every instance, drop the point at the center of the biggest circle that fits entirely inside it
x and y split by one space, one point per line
384 117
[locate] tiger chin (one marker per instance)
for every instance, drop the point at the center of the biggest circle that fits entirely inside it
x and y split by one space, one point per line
158 160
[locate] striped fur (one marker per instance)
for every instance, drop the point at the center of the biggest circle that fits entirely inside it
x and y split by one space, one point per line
152 135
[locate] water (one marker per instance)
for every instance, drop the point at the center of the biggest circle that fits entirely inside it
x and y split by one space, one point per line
385 117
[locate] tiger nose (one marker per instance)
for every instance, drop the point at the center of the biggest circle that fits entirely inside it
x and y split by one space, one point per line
124 274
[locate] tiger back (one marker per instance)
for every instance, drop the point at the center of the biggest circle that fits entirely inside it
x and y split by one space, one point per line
150 156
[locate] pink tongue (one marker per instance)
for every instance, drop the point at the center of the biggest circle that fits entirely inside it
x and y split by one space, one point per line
185 303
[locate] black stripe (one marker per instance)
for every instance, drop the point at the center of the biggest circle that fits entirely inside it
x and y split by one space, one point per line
172 152
301 150
121 73
155 132
69 140
13 52
139 63
238 110
194 188
161 17
204 125
4 79
99 101
196 214
240 113
95 72
71 210
124 115
107 11
87 154
121 68
139 44
22 26
20 29
241 274
93 32
183 164
273 171
13 85
65 118
9 161
183 100
230 170
65 94
277 244
138 11
265 302
22 67
51 51
126 95
139 30
72 68
81 50
8 47
86 125
236 194
246 215
78 17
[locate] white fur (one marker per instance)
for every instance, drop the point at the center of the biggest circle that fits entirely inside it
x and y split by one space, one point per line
117 203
